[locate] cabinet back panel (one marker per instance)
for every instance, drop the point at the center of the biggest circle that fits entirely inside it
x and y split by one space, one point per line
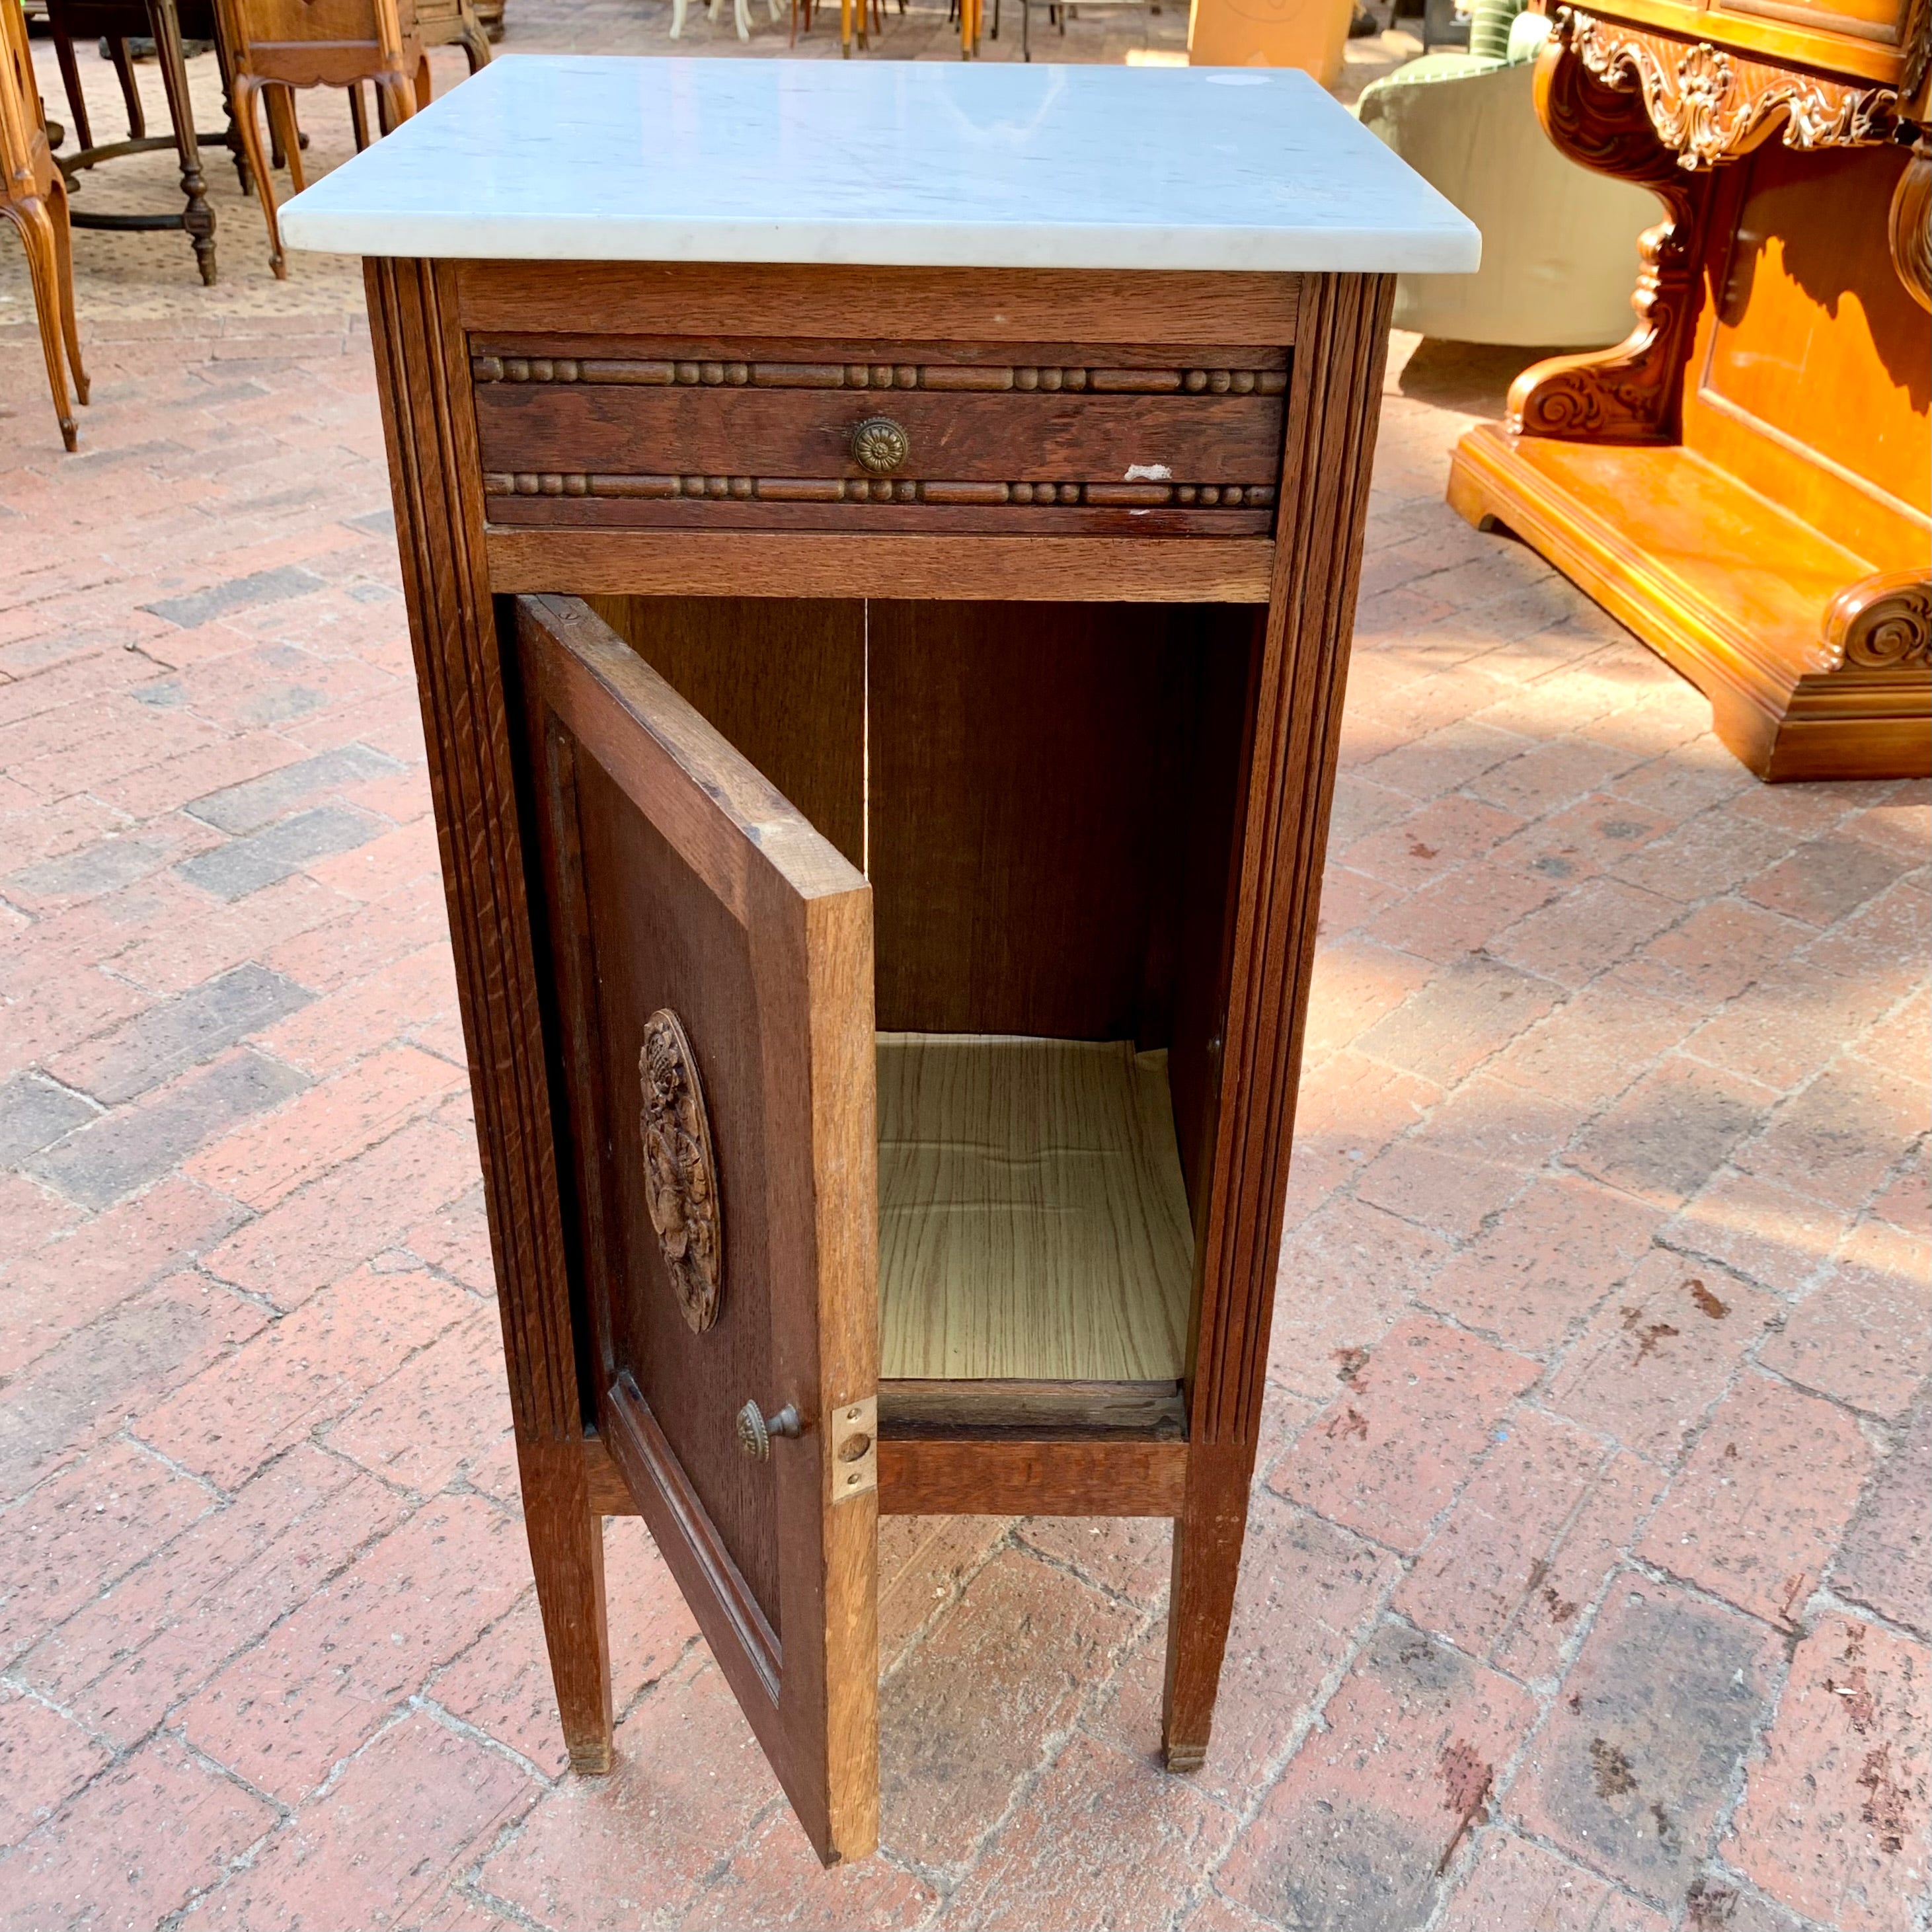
783 678
1052 800
1015 748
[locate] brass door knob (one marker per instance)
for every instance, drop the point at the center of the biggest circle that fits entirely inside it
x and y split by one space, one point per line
879 444
756 1429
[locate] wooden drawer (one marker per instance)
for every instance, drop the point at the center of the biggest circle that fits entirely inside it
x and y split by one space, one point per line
1066 439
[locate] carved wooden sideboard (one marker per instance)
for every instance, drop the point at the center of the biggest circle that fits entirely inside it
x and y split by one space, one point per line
881 634
1743 481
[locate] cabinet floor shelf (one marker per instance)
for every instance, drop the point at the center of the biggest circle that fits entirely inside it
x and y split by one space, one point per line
1033 1220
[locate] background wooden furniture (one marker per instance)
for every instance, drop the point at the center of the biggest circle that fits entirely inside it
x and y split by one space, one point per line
882 720
276 45
1558 239
441 23
36 204
1743 481
165 22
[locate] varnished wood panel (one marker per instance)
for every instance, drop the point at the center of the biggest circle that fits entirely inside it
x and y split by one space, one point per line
923 305
1033 1222
1212 750
698 563
1333 410
1002 1476
1012 818
680 879
653 934
433 473
697 506
1811 377
1743 481
783 679
1036 1409
1673 548
1004 438
1802 35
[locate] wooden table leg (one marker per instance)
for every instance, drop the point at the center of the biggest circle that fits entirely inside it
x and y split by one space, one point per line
197 218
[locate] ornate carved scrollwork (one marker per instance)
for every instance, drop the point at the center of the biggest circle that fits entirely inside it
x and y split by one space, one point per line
1708 106
1661 113
1911 223
680 1170
1629 393
1881 623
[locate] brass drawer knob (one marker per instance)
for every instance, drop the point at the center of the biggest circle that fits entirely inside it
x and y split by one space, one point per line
879 444
756 1429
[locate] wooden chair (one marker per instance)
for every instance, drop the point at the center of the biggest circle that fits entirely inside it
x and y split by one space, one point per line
35 201
441 23
166 22
280 45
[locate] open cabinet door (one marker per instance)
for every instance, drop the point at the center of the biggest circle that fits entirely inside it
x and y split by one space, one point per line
713 983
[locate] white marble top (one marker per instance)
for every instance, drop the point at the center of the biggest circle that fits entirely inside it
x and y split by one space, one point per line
926 163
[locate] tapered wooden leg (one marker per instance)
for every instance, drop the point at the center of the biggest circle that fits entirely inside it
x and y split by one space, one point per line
358 116
77 101
281 106
247 87
64 279
131 92
30 217
567 1553
423 93
1207 1538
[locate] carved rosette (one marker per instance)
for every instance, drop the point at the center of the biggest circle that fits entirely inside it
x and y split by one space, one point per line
1883 623
680 1170
1708 106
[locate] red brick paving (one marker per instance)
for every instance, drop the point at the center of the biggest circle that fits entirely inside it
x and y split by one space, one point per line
1571 1601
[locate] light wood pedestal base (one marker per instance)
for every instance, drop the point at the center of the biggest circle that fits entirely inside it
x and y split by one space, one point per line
1676 549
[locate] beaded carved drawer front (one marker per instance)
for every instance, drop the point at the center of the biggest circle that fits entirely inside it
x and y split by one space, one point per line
1062 439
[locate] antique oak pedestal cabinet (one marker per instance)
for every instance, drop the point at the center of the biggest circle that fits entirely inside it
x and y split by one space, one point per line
880 542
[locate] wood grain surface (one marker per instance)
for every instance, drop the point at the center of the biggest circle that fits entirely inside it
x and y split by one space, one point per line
676 876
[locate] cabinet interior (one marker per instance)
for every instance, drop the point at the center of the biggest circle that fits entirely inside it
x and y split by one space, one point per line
1045 799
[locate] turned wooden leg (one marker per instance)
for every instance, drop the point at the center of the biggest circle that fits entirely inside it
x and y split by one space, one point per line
77 101
63 278
567 1553
198 218
1207 1538
246 89
36 227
